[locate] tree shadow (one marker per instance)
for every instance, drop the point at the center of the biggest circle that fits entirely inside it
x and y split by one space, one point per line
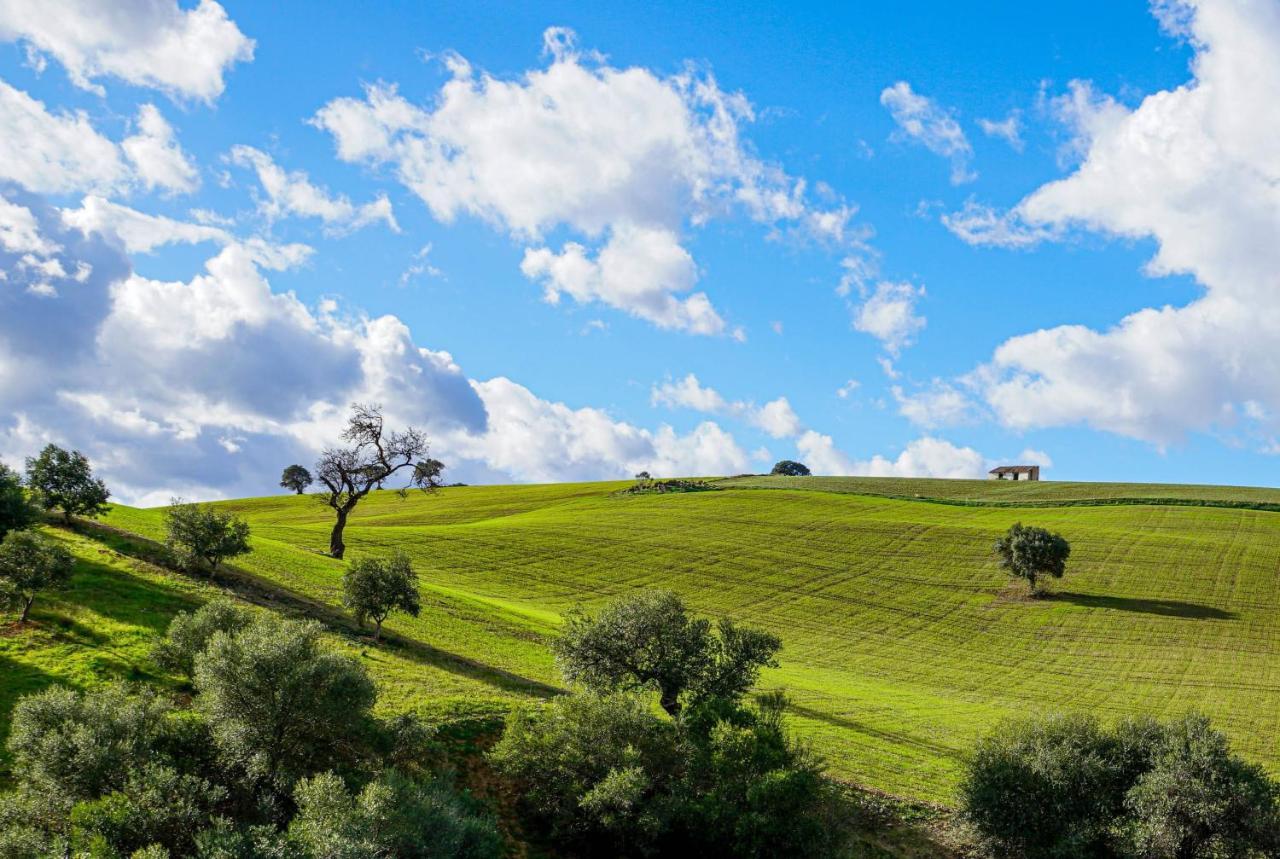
1160 607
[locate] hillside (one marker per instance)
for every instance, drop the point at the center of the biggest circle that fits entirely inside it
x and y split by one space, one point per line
903 641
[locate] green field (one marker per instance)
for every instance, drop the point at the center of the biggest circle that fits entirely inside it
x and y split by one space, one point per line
903 641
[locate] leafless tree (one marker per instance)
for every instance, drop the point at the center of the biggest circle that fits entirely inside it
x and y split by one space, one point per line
373 454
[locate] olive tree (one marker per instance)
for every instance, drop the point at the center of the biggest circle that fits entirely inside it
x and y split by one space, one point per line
374 587
648 640
1032 553
190 632
29 564
64 479
373 454
199 533
297 478
280 705
16 510
790 468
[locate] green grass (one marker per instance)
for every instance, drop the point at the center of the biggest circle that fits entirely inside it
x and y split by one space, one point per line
903 641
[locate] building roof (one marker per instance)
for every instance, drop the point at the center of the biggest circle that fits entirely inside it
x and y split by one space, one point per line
1014 469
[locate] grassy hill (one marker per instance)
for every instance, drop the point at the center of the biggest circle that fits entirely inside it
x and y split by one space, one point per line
903 641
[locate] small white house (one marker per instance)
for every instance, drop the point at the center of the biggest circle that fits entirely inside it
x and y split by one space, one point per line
1015 472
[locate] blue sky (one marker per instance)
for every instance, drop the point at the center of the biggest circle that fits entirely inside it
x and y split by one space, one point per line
880 242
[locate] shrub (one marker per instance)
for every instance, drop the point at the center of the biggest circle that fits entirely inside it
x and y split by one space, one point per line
1032 553
279 705
64 479
198 533
190 632
373 588
157 805
16 510
29 564
790 468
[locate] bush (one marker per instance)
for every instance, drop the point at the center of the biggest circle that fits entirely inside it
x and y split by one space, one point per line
790 468
279 705
198 534
190 632
157 805
30 563
373 588
16 511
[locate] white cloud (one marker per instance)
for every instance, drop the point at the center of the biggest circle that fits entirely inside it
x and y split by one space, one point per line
627 160
1030 456
924 121
138 231
941 404
889 315
1008 129
979 225
776 417
54 152
292 193
421 266
151 43
1194 168
19 232
157 158
846 390
924 457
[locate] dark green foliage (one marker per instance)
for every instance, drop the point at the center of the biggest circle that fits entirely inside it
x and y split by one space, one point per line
157 805
29 564
790 468
1044 787
1063 786
1033 553
1198 799
279 705
391 816
604 776
64 480
374 587
198 534
16 510
648 640
190 632
297 478
649 486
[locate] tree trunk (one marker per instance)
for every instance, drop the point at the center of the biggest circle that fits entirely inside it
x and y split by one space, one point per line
26 609
670 701
66 515
336 547
377 630
299 491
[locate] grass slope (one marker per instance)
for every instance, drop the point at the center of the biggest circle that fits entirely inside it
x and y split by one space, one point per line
903 641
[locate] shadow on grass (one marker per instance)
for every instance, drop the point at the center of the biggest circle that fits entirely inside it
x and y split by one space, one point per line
264 592
1163 608
861 728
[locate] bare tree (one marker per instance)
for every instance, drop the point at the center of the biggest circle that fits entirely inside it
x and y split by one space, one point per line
373 455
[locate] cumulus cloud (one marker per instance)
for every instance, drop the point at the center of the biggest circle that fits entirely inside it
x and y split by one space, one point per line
1195 169
924 457
55 152
1008 129
940 404
775 417
150 43
922 120
627 160
157 158
292 193
888 313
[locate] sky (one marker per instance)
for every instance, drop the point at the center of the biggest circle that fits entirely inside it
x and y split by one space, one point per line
577 241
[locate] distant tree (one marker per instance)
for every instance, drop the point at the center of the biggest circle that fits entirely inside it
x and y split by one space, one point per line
790 468
1033 553
16 510
373 588
280 705
1198 799
199 534
644 477
64 479
297 478
190 632
350 473
29 564
649 641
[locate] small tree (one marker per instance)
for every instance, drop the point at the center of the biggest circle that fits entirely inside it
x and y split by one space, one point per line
649 641
30 563
279 705
202 534
790 468
16 510
297 478
373 588
348 474
190 633
64 479
1033 553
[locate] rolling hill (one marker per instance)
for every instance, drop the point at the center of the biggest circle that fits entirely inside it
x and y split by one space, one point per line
903 642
